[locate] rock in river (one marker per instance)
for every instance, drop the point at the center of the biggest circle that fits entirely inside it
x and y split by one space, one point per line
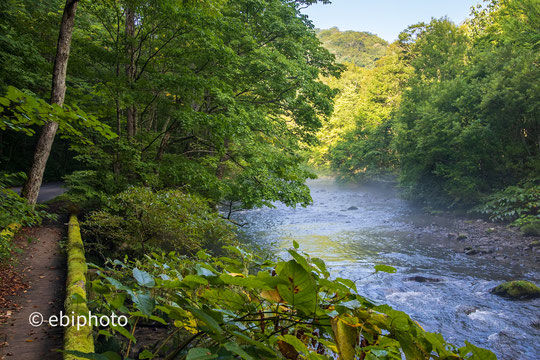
423 279
517 290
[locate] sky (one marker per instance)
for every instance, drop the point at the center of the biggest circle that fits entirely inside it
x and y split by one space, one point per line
385 18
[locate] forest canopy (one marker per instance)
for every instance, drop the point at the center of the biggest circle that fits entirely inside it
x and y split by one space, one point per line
215 97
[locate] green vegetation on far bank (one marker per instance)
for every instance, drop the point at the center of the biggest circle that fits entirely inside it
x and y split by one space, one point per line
452 110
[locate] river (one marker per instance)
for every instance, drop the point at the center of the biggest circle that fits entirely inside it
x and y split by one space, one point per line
354 227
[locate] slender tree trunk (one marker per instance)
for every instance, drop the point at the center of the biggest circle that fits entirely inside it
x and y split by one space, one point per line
221 167
130 70
43 148
164 141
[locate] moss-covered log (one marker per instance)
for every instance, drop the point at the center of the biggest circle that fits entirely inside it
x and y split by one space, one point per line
76 339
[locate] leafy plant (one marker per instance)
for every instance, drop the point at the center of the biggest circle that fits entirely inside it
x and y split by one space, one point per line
139 220
518 204
240 307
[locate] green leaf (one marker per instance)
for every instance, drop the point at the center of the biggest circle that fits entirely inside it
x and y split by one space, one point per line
143 278
296 343
261 346
351 304
146 355
300 290
200 354
203 271
124 332
76 298
471 352
236 349
321 265
295 244
207 319
385 268
195 279
143 302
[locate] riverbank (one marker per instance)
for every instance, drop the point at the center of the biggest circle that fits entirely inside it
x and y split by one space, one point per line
488 240
473 236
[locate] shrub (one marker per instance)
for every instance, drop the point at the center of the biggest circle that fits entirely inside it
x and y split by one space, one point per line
531 229
519 204
139 221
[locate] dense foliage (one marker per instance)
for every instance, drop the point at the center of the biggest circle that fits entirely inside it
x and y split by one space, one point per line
243 307
358 48
518 204
139 221
358 138
215 96
454 111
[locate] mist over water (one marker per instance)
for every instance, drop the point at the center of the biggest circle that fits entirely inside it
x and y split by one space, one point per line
354 227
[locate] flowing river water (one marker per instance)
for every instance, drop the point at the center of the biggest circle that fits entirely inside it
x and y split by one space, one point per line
354 227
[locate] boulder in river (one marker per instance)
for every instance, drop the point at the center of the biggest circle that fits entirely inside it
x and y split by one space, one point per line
352 208
461 236
517 290
423 279
471 252
466 309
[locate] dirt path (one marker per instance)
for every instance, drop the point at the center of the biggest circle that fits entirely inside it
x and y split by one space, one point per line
42 267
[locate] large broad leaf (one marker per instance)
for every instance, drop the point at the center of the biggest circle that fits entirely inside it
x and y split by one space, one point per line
471 352
124 332
195 280
212 326
204 271
346 338
295 342
200 354
385 268
143 302
236 349
143 278
265 350
300 290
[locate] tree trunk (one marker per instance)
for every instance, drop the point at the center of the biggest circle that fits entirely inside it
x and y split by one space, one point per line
162 146
131 112
221 167
43 148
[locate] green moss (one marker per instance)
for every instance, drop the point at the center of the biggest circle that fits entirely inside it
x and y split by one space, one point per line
531 229
518 289
76 339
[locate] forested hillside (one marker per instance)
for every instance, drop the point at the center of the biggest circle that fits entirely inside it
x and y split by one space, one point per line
452 110
358 48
